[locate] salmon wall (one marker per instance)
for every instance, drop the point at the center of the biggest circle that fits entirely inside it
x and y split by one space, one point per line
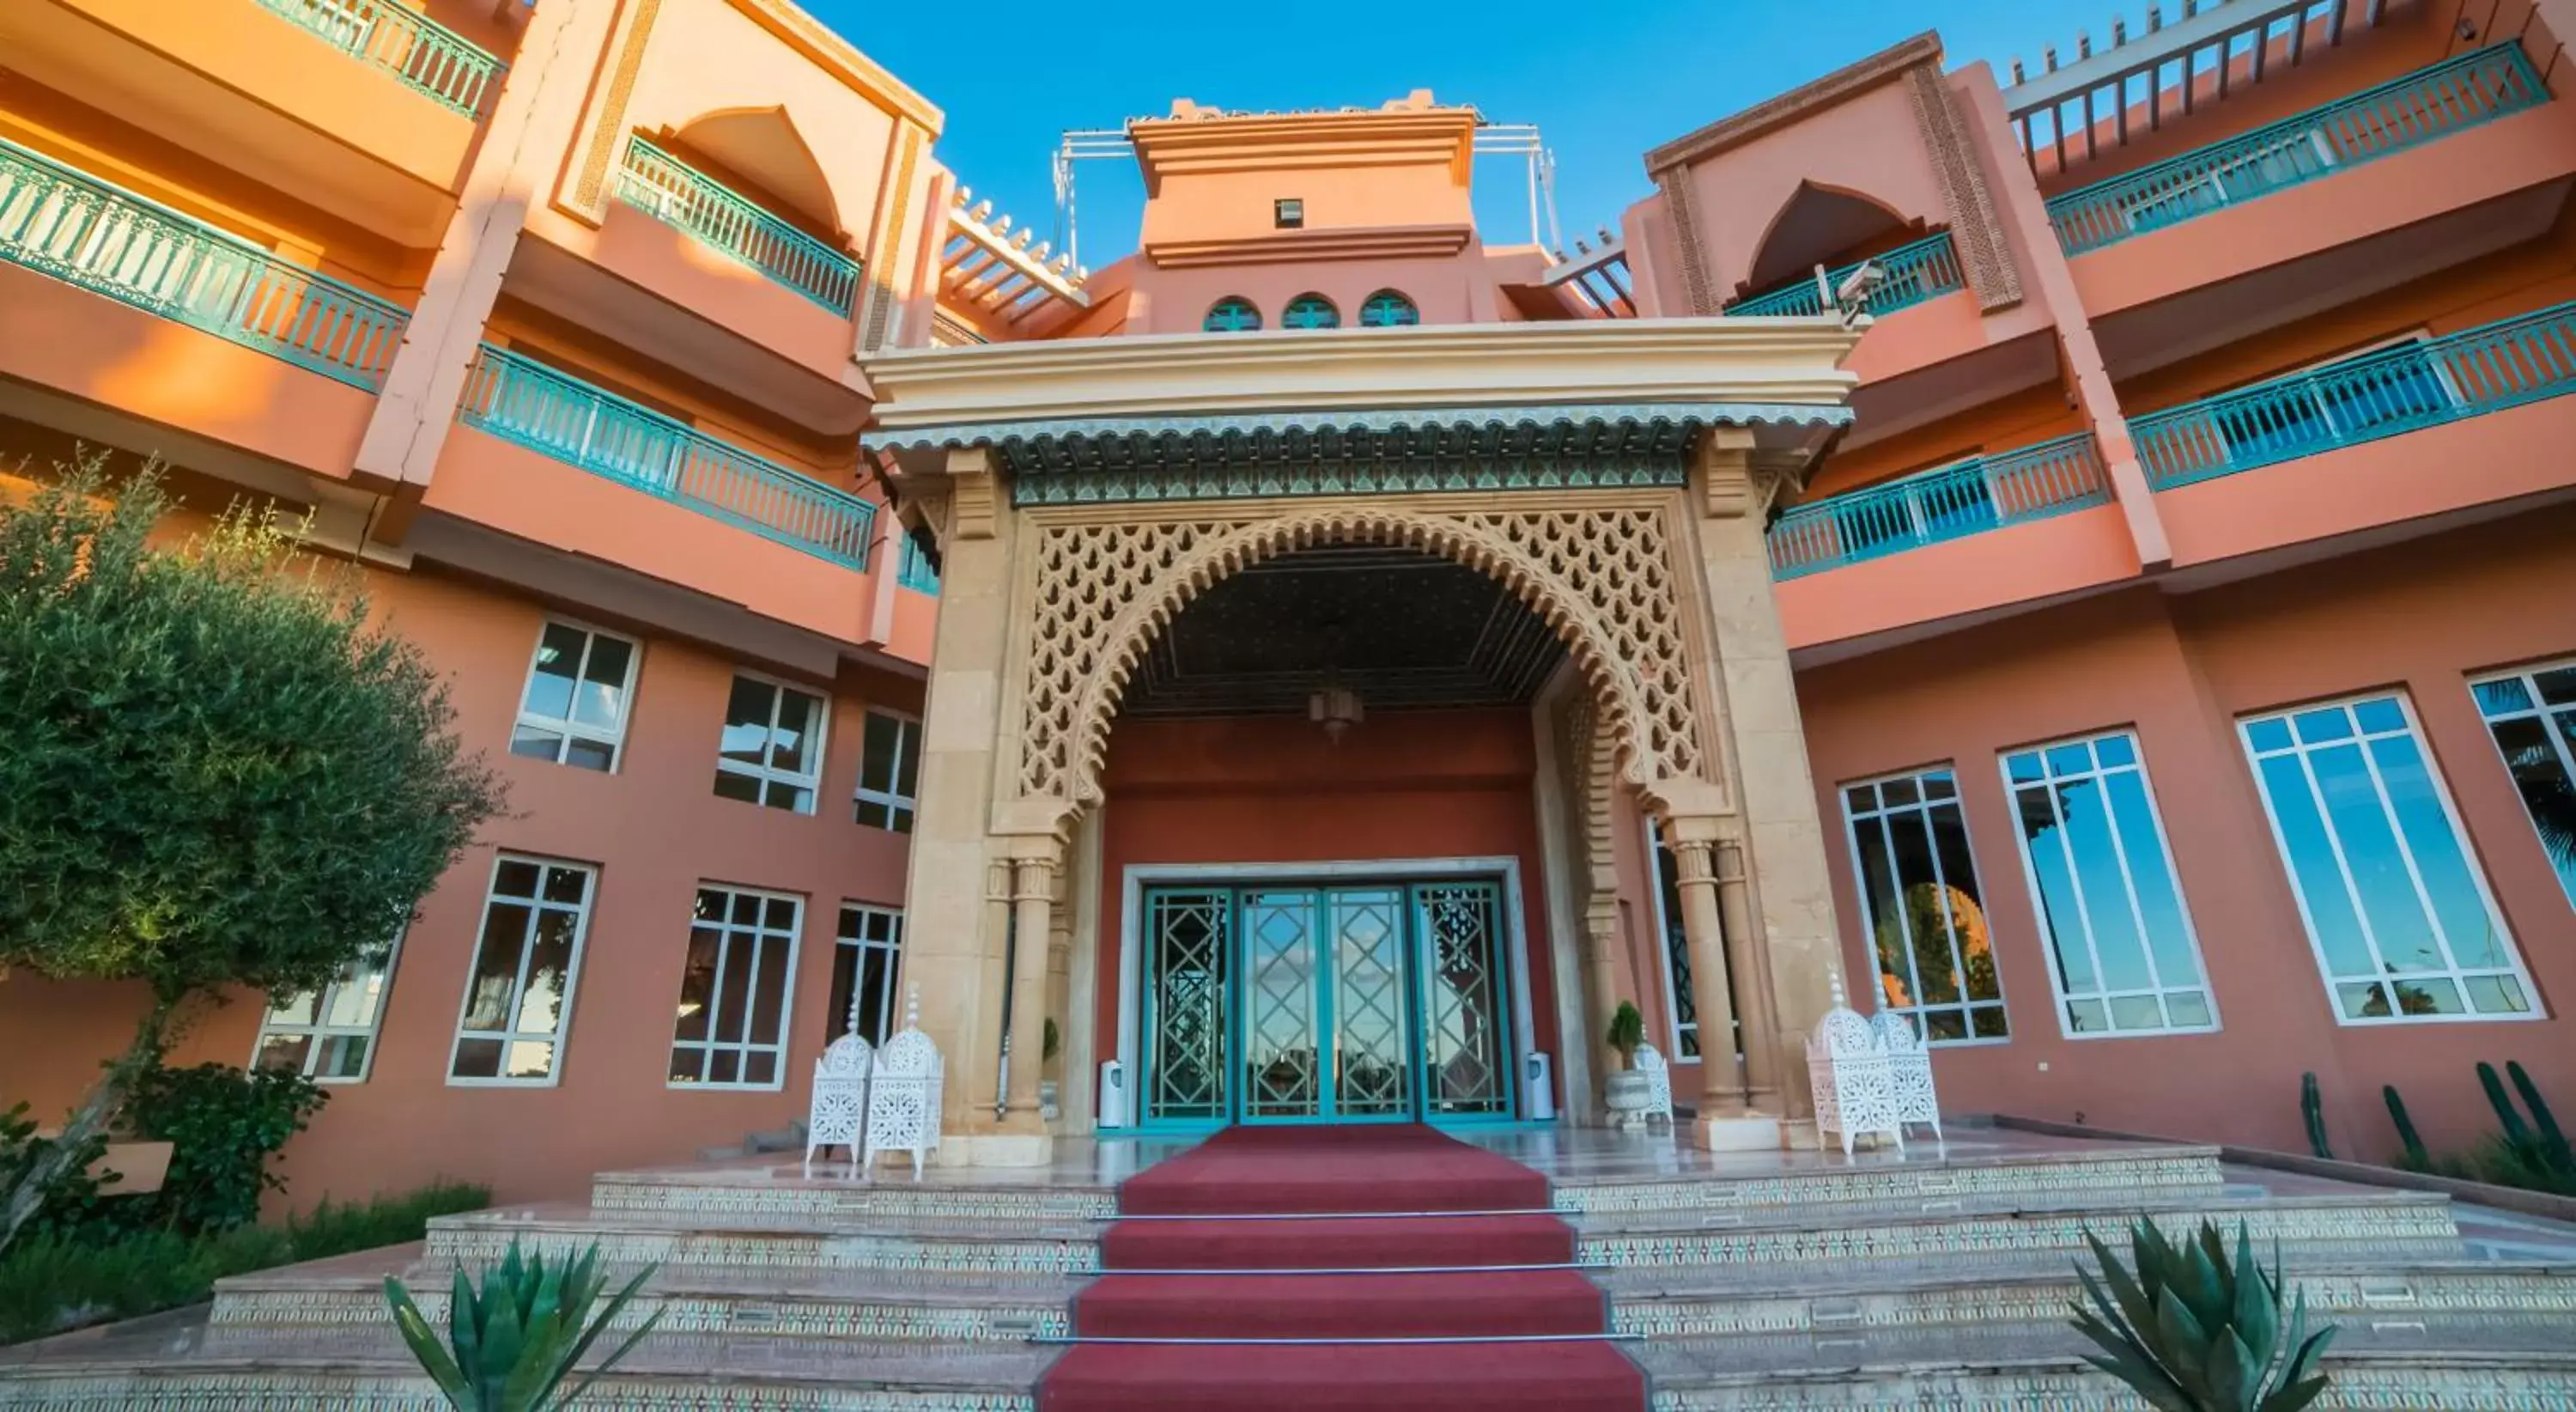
654 830
2179 672
1416 784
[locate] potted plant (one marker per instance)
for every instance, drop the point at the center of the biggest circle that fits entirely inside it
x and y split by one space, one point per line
1627 1093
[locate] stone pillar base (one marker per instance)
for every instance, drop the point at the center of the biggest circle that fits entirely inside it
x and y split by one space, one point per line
994 1150
1739 1132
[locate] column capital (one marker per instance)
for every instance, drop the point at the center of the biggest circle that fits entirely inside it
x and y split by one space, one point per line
1035 880
1736 478
974 491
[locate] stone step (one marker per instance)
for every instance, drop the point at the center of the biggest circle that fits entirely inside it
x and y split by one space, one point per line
370 1370
2314 1224
1820 1180
747 1302
769 1190
1829 1309
2374 1379
628 1239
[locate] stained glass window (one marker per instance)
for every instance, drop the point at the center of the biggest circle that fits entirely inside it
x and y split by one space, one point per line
1387 309
1232 314
1311 311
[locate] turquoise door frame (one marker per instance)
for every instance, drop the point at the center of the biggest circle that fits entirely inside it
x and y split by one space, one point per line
1325 1002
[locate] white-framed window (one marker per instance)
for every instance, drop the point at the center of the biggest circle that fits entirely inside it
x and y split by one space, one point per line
735 989
329 1035
772 749
580 685
518 996
2404 928
1921 910
1679 1002
865 968
2121 949
2531 712
889 771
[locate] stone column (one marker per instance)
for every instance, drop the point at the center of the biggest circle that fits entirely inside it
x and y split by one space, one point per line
1789 931
1750 960
1721 1086
1032 911
1602 963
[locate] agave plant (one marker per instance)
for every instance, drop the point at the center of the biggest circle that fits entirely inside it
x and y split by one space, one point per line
2193 1330
518 1338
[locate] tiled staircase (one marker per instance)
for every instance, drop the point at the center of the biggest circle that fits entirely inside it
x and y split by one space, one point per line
1942 1281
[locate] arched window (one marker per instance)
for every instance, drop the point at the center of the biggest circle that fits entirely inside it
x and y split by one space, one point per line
1232 314
1311 311
1386 309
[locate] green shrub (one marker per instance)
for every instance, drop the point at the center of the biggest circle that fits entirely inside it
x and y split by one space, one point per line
1627 1031
52 1280
71 1199
336 1228
224 1125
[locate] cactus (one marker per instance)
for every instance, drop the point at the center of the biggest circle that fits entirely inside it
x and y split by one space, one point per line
2312 1106
2517 1134
2417 1159
2553 1142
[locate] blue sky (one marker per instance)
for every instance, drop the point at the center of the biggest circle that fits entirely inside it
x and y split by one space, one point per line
1602 90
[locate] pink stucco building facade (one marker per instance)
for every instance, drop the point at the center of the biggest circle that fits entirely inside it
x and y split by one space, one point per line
2163 659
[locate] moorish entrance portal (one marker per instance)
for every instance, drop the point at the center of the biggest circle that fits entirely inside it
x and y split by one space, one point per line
1294 1003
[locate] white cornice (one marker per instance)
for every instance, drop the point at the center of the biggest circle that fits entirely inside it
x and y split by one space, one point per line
1623 362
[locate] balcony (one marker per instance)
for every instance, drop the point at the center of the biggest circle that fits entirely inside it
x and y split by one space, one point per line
1922 270
415 50
2398 441
2386 393
678 195
361 108
2421 107
86 232
570 421
916 574
1972 497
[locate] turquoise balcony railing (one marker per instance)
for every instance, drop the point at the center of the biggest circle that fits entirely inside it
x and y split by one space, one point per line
2383 393
401 41
917 573
677 194
2406 112
80 230
1915 272
581 425
1989 492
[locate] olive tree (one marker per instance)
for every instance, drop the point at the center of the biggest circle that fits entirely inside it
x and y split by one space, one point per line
216 771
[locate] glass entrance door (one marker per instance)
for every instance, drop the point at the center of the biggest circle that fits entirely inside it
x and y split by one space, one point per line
1298 1003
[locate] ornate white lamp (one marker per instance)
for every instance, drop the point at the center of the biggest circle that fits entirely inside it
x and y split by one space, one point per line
1336 708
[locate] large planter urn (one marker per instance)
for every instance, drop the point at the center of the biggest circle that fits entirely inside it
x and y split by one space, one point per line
1627 1094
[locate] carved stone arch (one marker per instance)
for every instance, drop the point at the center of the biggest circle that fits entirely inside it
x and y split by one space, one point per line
766 144
1603 578
1841 217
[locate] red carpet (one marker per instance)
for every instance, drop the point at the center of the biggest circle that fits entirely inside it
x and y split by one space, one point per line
1416 1233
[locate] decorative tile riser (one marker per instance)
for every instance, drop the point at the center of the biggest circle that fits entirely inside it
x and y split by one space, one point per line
292 1391
2396 1233
2355 1389
475 1246
686 1314
833 1205
2355 1298
2177 1176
